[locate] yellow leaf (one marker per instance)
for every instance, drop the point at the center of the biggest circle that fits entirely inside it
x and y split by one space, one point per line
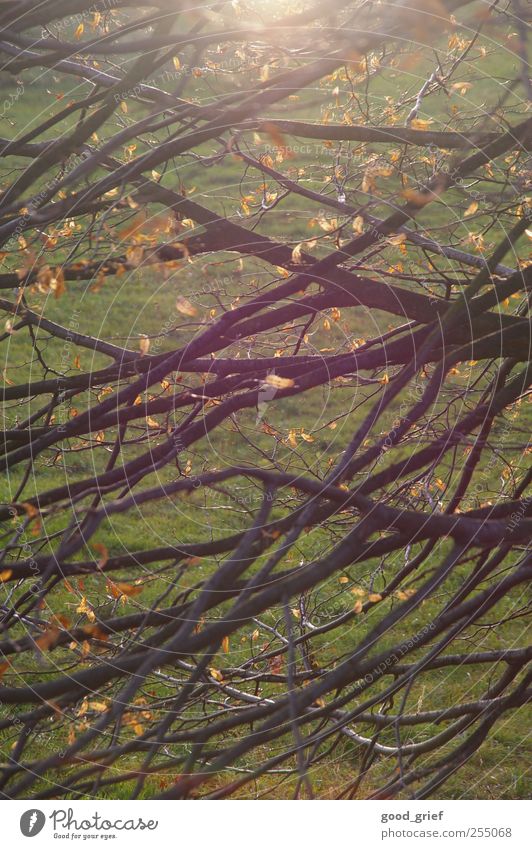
216 674
225 644
296 255
144 344
177 63
79 31
420 124
135 255
123 106
374 597
397 239
471 209
5 575
462 87
279 382
358 607
84 607
99 707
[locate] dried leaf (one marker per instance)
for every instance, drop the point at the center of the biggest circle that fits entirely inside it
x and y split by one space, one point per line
84 607
185 307
120 588
49 639
101 549
420 123
358 224
398 239
279 382
99 707
296 254
471 209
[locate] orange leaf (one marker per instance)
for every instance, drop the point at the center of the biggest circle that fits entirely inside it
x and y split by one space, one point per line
49 639
278 139
101 549
119 589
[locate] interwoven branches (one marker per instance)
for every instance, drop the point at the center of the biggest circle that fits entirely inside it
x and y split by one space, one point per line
250 541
